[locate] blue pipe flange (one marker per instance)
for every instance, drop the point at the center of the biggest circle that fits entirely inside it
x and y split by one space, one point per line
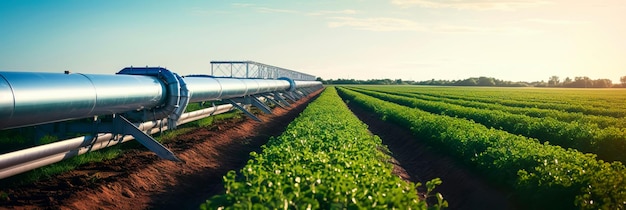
177 92
292 84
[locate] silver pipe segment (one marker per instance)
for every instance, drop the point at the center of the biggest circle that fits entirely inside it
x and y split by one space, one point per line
307 84
206 88
203 89
33 98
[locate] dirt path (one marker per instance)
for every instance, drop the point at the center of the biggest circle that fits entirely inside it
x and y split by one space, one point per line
140 180
462 188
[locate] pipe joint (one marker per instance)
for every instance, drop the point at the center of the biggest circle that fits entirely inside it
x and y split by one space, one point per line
292 84
177 92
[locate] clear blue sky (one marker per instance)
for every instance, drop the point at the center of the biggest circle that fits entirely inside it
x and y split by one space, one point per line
518 40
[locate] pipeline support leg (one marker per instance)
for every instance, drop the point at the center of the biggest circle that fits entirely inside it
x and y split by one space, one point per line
281 99
245 111
259 104
126 127
271 99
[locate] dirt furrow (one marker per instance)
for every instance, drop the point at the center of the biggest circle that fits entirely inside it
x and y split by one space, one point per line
462 188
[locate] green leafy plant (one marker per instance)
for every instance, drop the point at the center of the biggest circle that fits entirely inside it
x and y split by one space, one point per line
325 159
608 143
546 176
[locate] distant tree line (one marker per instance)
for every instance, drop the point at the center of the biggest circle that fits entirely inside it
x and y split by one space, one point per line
584 82
476 81
553 81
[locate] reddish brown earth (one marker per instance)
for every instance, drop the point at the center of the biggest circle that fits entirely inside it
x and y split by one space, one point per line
140 180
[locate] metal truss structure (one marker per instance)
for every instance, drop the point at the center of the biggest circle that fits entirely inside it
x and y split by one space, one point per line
251 69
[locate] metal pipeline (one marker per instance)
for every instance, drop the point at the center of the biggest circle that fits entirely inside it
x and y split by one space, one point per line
204 88
38 98
307 84
28 98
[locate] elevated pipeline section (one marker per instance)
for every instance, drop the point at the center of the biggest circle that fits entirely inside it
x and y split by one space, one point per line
132 104
32 98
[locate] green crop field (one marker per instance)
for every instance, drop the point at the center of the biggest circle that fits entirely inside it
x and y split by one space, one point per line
326 159
553 148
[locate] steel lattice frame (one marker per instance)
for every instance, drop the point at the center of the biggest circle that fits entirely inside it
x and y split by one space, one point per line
251 69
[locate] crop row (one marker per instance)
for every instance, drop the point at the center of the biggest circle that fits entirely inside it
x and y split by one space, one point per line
601 121
546 176
585 106
325 159
608 143
609 98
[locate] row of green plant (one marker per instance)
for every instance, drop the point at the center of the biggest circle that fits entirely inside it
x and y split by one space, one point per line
611 99
583 105
601 121
608 143
325 159
542 175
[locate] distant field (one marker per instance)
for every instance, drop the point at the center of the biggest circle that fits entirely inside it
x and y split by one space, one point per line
604 102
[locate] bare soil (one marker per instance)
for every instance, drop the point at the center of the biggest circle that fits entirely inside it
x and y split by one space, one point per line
414 161
140 180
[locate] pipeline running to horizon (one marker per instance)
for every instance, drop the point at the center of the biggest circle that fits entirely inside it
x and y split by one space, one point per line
132 104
